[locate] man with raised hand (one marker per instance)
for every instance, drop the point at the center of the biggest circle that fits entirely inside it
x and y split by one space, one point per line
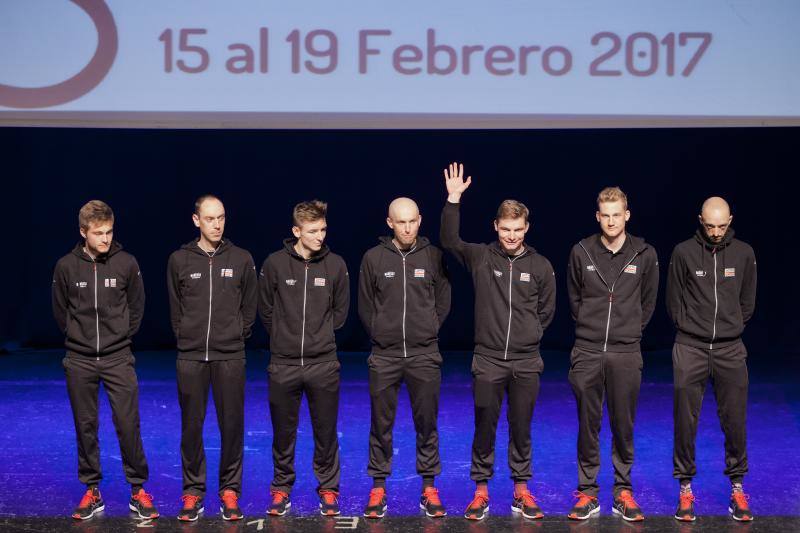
403 299
98 303
304 296
515 295
213 299
612 283
711 294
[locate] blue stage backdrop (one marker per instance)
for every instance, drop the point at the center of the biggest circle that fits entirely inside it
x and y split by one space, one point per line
151 177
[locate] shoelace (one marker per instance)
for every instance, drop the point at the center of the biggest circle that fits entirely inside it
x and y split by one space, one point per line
527 498
480 499
328 496
627 499
375 497
189 500
687 498
583 499
432 495
278 496
741 500
145 499
230 499
87 499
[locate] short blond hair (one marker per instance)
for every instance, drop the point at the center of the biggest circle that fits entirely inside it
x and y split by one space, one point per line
512 209
309 212
612 194
94 212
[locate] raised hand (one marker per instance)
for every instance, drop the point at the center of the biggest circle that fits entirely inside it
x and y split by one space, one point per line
454 180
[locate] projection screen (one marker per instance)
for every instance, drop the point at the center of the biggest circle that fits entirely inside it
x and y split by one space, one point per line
411 64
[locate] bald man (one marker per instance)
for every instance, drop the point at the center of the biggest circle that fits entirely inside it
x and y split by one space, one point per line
711 294
403 299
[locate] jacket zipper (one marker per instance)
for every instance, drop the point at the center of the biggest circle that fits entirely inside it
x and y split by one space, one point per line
716 305
210 297
405 352
303 332
610 290
510 279
96 311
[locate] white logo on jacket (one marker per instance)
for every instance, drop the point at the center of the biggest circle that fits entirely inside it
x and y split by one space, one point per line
498 273
319 282
291 282
700 273
590 268
226 272
524 276
389 274
195 275
81 284
110 282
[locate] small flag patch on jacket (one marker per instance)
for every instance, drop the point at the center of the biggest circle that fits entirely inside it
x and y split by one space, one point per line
419 272
226 272
319 282
630 269
730 272
524 276
111 282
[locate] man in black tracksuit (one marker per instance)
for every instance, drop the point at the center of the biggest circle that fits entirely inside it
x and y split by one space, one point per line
403 299
213 298
98 303
612 283
304 295
711 294
515 296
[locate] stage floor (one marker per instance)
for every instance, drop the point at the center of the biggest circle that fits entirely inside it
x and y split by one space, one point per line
38 480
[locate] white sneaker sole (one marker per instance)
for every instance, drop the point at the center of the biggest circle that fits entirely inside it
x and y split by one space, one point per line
444 513
593 512
199 512
140 515
98 510
485 514
288 506
617 511
529 517
730 510
383 513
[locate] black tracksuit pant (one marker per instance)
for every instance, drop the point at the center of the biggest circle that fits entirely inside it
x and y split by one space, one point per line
320 383
727 369
492 379
226 379
423 377
117 373
617 376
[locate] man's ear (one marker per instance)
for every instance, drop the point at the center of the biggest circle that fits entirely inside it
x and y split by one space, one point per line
389 222
296 232
196 220
627 215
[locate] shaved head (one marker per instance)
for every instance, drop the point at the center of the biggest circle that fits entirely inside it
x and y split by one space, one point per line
715 207
404 219
715 217
403 208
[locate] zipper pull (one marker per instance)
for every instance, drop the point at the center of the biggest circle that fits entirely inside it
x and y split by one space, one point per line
610 297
